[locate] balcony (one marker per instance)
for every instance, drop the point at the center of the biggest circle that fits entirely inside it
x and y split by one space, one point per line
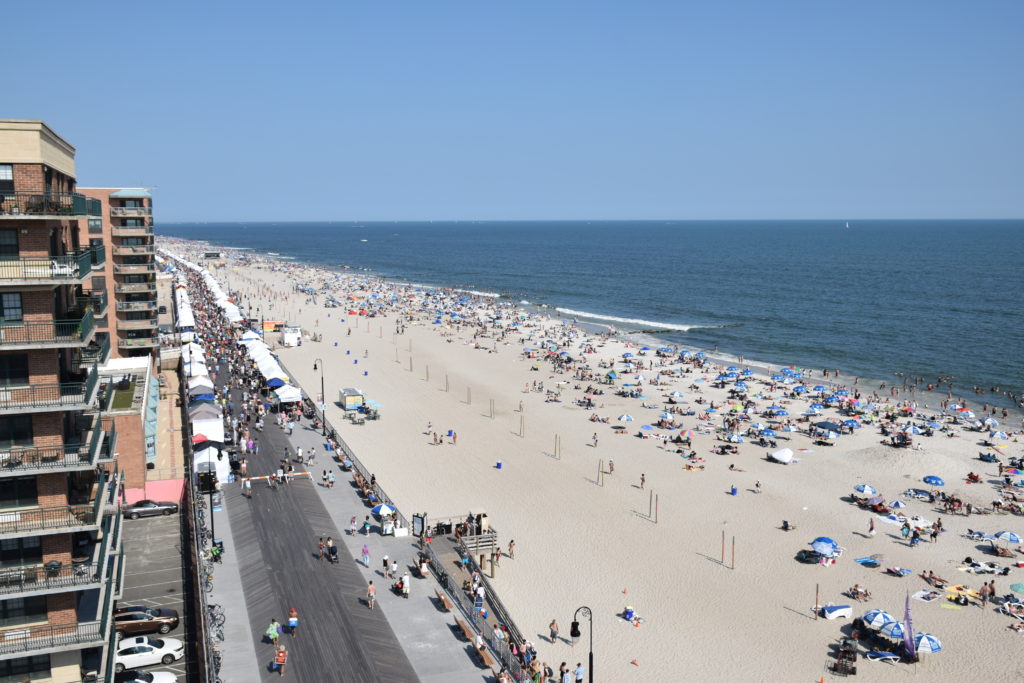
139 343
131 212
136 305
50 397
96 300
60 577
134 268
47 334
99 255
46 270
17 461
135 287
134 250
131 230
62 519
47 205
137 324
96 353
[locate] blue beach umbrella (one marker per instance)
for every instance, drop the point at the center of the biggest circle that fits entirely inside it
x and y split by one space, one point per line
990 422
627 355
747 373
898 504
866 489
768 432
932 480
843 392
877 618
734 438
782 413
774 407
799 388
646 427
831 399
665 349
382 509
732 368
852 424
625 417
759 425
665 416
827 425
997 435
824 545
701 354
927 643
791 428
892 629
911 429
817 406
819 387
732 374
743 385
1007 537
645 348
935 425
776 378
722 377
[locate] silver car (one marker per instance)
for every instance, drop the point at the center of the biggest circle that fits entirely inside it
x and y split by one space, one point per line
149 508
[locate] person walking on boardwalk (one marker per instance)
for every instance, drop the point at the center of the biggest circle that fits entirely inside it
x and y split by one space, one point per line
280 659
330 480
394 569
366 556
273 631
386 565
371 594
405 585
293 621
247 488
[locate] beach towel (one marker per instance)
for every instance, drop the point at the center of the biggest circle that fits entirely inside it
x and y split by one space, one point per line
867 561
926 595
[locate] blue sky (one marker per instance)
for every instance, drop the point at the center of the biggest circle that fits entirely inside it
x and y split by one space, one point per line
405 110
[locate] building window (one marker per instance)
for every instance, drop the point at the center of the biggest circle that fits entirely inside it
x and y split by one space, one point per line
25 669
14 370
95 226
10 307
15 430
6 178
9 244
17 611
18 492
18 552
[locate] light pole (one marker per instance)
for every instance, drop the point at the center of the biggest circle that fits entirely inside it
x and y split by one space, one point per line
574 632
323 396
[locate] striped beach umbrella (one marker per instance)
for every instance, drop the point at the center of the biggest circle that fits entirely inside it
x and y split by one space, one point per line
625 417
898 504
892 629
1008 537
990 422
997 435
866 489
926 642
876 618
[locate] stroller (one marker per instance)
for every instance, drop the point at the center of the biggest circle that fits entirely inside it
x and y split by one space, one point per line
332 554
397 587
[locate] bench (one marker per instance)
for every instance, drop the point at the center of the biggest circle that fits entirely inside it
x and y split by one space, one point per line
466 630
443 599
485 658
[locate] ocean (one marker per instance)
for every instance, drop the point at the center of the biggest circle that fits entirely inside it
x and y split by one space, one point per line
926 298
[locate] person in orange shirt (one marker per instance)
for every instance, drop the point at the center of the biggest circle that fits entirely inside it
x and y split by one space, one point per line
280 659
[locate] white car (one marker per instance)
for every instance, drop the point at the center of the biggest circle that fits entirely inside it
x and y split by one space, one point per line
145 651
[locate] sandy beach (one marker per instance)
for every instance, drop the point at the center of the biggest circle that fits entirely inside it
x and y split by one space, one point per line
583 538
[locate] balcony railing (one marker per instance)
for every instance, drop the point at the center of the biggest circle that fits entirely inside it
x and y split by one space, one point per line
38 269
97 299
134 250
134 268
64 396
39 519
131 211
95 353
99 255
136 305
34 204
29 638
18 460
131 230
134 287
136 324
138 343
109 449
47 333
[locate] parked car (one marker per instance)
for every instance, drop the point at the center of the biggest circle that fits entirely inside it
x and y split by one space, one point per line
143 651
134 621
138 676
149 508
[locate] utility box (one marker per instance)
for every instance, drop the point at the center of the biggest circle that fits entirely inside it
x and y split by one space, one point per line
350 398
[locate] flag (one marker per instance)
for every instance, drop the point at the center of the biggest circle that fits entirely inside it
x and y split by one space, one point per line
908 631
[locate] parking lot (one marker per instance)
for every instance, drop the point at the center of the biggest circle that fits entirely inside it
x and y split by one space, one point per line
154 577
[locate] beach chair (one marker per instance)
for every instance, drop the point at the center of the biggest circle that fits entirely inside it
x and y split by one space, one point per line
898 571
875 656
837 612
1008 609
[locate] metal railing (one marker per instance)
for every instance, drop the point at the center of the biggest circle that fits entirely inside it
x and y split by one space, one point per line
99 255
97 299
131 230
47 332
48 204
136 305
134 287
95 354
130 268
73 266
43 577
133 249
50 637
36 519
131 211
60 396
19 459
138 342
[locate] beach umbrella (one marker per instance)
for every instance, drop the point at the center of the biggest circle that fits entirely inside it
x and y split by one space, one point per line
892 629
817 406
911 429
625 417
701 354
676 394
732 374
932 480
612 375
687 434
866 489
852 424
799 388
824 545
968 414
777 378
665 416
747 373
811 411
831 399
759 425
843 392
1007 537
774 407
768 432
782 413
828 425
627 355
741 385
1017 587
645 348
934 425
382 509
1012 470
722 377
997 435
819 387
734 438
791 428
732 368
898 504
665 349
955 406
990 422
876 618
926 642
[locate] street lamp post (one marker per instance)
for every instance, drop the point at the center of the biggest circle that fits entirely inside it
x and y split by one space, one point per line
574 632
323 396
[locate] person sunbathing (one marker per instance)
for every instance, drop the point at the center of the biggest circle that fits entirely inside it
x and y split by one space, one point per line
1018 627
733 468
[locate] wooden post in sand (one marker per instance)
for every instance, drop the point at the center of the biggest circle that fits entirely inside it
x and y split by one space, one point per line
410 363
650 505
522 425
492 408
655 508
733 553
428 373
396 355
600 472
816 598
446 382
723 547
469 396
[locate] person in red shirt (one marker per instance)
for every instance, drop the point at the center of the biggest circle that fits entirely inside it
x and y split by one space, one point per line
280 659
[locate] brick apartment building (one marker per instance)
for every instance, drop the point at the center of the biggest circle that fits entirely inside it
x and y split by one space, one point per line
61 562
